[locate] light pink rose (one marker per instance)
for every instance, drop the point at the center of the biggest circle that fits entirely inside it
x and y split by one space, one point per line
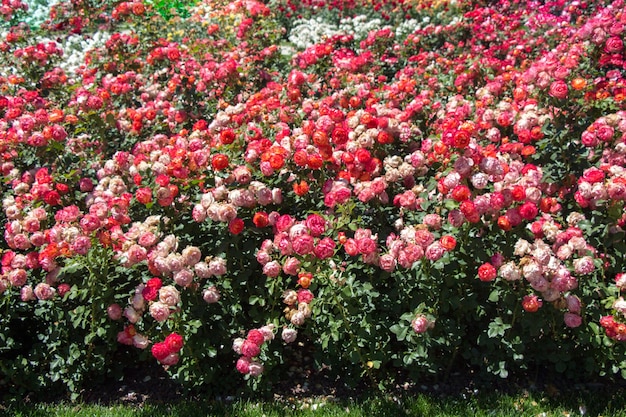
289 335
256 368
140 341
27 294
184 277
237 343
159 311
217 266
131 314
169 295
211 295
44 291
191 255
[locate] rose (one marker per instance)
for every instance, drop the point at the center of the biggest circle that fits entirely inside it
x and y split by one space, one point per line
174 342
291 266
44 291
613 45
114 311
169 295
531 303
316 224
324 249
289 335
211 295
487 272
255 368
256 336
387 262
420 324
160 351
250 349
272 269
159 311
303 244
305 296
243 365
237 344
184 277
558 89
572 320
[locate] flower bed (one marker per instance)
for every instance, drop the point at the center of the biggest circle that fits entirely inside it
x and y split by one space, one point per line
443 191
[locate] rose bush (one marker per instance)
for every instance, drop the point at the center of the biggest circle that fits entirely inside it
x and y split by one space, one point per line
448 196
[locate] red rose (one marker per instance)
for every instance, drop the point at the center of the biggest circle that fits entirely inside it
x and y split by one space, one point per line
174 342
256 337
531 303
528 210
250 349
487 272
160 351
593 175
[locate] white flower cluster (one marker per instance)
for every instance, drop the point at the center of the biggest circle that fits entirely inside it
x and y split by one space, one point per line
76 46
308 32
38 11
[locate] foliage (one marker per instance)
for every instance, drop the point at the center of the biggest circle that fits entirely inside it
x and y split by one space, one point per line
214 192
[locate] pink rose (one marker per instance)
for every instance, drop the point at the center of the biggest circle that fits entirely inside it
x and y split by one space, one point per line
613 45
256 337
243 365
434 251
572 320
44 291
191 255
256 368
305 296
420 324
325 248
237 344
291 266
184 277
250 349
217 266
316 224
558 89
387 262
303 244
18 277
573 304
169 295
26 293
211 295
272 269
584 265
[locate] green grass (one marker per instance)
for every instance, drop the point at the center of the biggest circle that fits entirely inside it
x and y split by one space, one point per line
598 403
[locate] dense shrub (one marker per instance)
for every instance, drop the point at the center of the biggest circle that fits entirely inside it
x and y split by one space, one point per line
443 191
